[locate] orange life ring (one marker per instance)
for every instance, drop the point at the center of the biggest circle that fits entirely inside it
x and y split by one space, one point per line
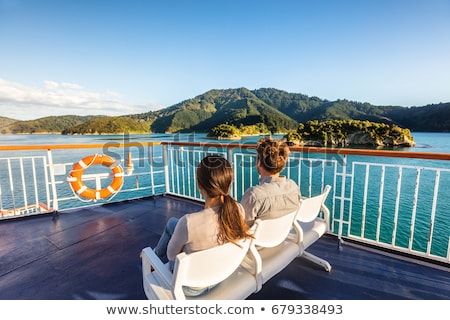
81 189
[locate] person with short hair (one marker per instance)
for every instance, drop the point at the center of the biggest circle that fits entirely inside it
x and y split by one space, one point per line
275 195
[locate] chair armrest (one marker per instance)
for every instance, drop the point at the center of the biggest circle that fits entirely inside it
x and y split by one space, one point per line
257 266
326 215
149 258
298 233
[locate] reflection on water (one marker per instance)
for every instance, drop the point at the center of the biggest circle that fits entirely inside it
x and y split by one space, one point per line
425 141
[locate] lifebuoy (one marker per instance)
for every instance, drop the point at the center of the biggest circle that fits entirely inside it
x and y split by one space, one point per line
78 186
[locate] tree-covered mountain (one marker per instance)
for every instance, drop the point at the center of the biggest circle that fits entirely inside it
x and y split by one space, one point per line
277 108
54 124
303 108
5 123
430 118
268 108
233 106
105 125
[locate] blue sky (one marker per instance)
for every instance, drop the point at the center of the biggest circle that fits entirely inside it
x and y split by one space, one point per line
118 57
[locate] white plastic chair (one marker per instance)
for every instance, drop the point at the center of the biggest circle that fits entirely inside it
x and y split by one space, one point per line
271 249
219 265
312 226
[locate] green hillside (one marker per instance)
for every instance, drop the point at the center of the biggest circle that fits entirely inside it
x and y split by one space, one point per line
233 106
54 124
266 108
430 118
303 108
278 110
295 105
5 123
106 125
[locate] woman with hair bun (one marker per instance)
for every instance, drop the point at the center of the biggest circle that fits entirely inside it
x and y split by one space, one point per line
221 221
275 195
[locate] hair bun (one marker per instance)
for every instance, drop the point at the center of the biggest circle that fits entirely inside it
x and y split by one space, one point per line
273 151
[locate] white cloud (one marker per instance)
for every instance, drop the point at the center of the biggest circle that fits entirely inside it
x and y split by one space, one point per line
22 102
51 84
69 85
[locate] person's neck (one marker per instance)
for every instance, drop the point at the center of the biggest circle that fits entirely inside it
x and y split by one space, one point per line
212 202
264 173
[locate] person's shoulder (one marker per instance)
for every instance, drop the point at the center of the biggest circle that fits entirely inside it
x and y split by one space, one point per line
201 212
293 186
240 207
291 182
250 191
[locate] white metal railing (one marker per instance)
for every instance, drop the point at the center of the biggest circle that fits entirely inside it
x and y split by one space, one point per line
377 197
20 191
377 200
39 184
400 207
181 166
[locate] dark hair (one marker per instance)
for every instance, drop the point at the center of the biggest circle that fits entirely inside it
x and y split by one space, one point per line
214 176
272 154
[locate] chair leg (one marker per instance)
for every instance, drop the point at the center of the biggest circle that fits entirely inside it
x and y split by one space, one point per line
316 260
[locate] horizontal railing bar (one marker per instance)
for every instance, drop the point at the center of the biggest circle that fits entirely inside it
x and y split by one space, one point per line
78 146
341 151
376 153
404 166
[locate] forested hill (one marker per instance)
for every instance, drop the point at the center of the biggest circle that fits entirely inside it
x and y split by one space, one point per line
267 108
234 106
52 124
276 109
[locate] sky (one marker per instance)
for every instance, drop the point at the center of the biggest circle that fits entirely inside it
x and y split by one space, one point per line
118 57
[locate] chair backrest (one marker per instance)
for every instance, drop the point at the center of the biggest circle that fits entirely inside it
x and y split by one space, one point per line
272 232
310 207
208 267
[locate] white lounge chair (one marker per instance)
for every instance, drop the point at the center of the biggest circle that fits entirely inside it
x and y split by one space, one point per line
312 226
271 249
219 265
241 270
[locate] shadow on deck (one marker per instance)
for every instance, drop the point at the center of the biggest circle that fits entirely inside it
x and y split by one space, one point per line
93 253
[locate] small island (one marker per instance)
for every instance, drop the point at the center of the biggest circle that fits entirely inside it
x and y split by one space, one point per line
348 133
227 131
336 133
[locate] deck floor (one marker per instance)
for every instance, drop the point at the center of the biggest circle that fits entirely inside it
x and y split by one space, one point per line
93 253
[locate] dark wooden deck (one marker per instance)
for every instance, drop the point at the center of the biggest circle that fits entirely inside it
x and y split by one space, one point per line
93 253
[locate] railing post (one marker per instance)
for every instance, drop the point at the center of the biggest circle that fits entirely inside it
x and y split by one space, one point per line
448 250
52 180
150 161
341 211
230 159
230 155
166 167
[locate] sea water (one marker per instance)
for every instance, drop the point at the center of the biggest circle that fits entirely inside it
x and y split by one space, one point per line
425 141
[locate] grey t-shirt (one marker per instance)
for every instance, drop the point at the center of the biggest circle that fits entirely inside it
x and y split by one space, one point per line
195 231
273 197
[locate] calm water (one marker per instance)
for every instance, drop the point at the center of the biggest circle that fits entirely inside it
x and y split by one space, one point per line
425 141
